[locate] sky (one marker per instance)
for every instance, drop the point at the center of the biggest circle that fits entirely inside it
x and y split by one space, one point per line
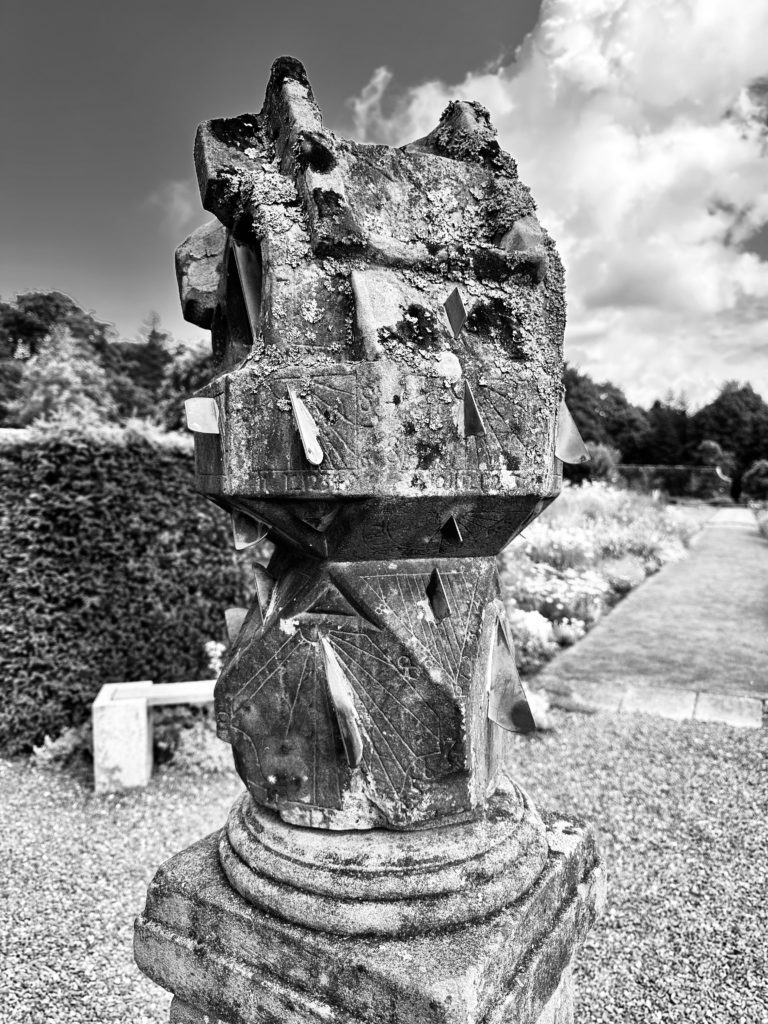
641 127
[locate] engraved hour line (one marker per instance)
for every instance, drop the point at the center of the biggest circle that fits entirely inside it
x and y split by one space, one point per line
412 641
249 682
421 640
390 693
427 630
298 691
250 742
384 737
388 664
329 427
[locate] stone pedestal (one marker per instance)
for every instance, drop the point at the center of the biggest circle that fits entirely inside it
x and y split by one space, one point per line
473 922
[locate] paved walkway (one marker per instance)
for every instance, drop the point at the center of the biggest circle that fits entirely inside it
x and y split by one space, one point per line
691 642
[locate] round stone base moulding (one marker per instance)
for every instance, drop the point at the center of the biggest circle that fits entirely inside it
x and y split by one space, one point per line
381 882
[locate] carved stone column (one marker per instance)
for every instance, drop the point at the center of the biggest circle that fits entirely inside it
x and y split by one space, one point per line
389 413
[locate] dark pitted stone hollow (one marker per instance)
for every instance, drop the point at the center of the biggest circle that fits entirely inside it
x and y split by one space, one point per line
388 412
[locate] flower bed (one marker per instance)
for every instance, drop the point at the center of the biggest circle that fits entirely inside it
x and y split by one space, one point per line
592 546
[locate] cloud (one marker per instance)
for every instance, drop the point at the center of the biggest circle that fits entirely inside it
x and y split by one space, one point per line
641 128
178 203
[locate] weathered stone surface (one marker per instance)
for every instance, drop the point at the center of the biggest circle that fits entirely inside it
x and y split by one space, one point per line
421 688
388 328
388 324
122 737
198 272
380 881
224 957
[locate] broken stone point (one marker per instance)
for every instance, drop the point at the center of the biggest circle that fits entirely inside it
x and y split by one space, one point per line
388 412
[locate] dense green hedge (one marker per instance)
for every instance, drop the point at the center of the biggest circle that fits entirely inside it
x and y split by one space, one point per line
112 568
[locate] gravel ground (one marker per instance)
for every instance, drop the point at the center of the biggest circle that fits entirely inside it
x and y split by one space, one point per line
681 808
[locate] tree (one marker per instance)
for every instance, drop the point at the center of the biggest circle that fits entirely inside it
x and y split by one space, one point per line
667 440
604 415
737 419
62 382
754 483
190 370
710 453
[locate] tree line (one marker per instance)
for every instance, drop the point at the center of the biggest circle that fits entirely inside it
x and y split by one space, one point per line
730 432
59 362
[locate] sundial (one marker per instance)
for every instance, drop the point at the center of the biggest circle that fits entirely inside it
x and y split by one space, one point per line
389 326
388 411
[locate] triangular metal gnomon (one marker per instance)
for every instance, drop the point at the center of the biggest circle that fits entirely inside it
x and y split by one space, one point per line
471 421
451 533
340 692
438 598
249 271
234 619
507 698
247 531
455 311
264 585
569 446
308 429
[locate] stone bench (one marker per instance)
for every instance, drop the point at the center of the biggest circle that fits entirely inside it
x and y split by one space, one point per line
122 728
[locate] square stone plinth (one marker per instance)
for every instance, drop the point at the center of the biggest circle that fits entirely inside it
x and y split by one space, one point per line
227 961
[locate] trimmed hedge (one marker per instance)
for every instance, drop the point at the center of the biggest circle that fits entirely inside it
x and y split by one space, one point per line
113 568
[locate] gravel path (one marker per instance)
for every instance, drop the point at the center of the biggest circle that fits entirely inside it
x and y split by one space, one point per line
75 870
700 624
682 812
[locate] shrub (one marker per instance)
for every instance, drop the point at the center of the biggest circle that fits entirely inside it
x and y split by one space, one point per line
113 568
754 483
589 548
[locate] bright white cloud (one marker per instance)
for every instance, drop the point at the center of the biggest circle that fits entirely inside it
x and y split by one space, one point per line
178 205
632 122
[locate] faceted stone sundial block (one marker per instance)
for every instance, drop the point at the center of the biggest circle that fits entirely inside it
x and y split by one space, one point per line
388 324
334 275
419 685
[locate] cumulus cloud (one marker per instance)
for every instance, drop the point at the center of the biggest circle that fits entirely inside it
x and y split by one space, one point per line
177 205
641 127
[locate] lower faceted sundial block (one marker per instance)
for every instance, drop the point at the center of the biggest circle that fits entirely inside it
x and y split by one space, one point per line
418 688
387 412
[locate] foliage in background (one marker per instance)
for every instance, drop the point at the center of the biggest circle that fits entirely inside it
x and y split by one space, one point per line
755 481
57 361
730 432
593 545
113 568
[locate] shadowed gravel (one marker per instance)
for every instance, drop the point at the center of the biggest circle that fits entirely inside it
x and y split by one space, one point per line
681 808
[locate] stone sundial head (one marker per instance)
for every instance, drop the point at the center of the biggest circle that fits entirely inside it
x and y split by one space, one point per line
388 326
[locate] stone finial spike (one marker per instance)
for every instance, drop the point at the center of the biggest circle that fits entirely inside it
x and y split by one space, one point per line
569 446
340 692
438 598
450 531
202 415
234 619
248 265
264 586
455 311
247 531
471 418
307 428
508 704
